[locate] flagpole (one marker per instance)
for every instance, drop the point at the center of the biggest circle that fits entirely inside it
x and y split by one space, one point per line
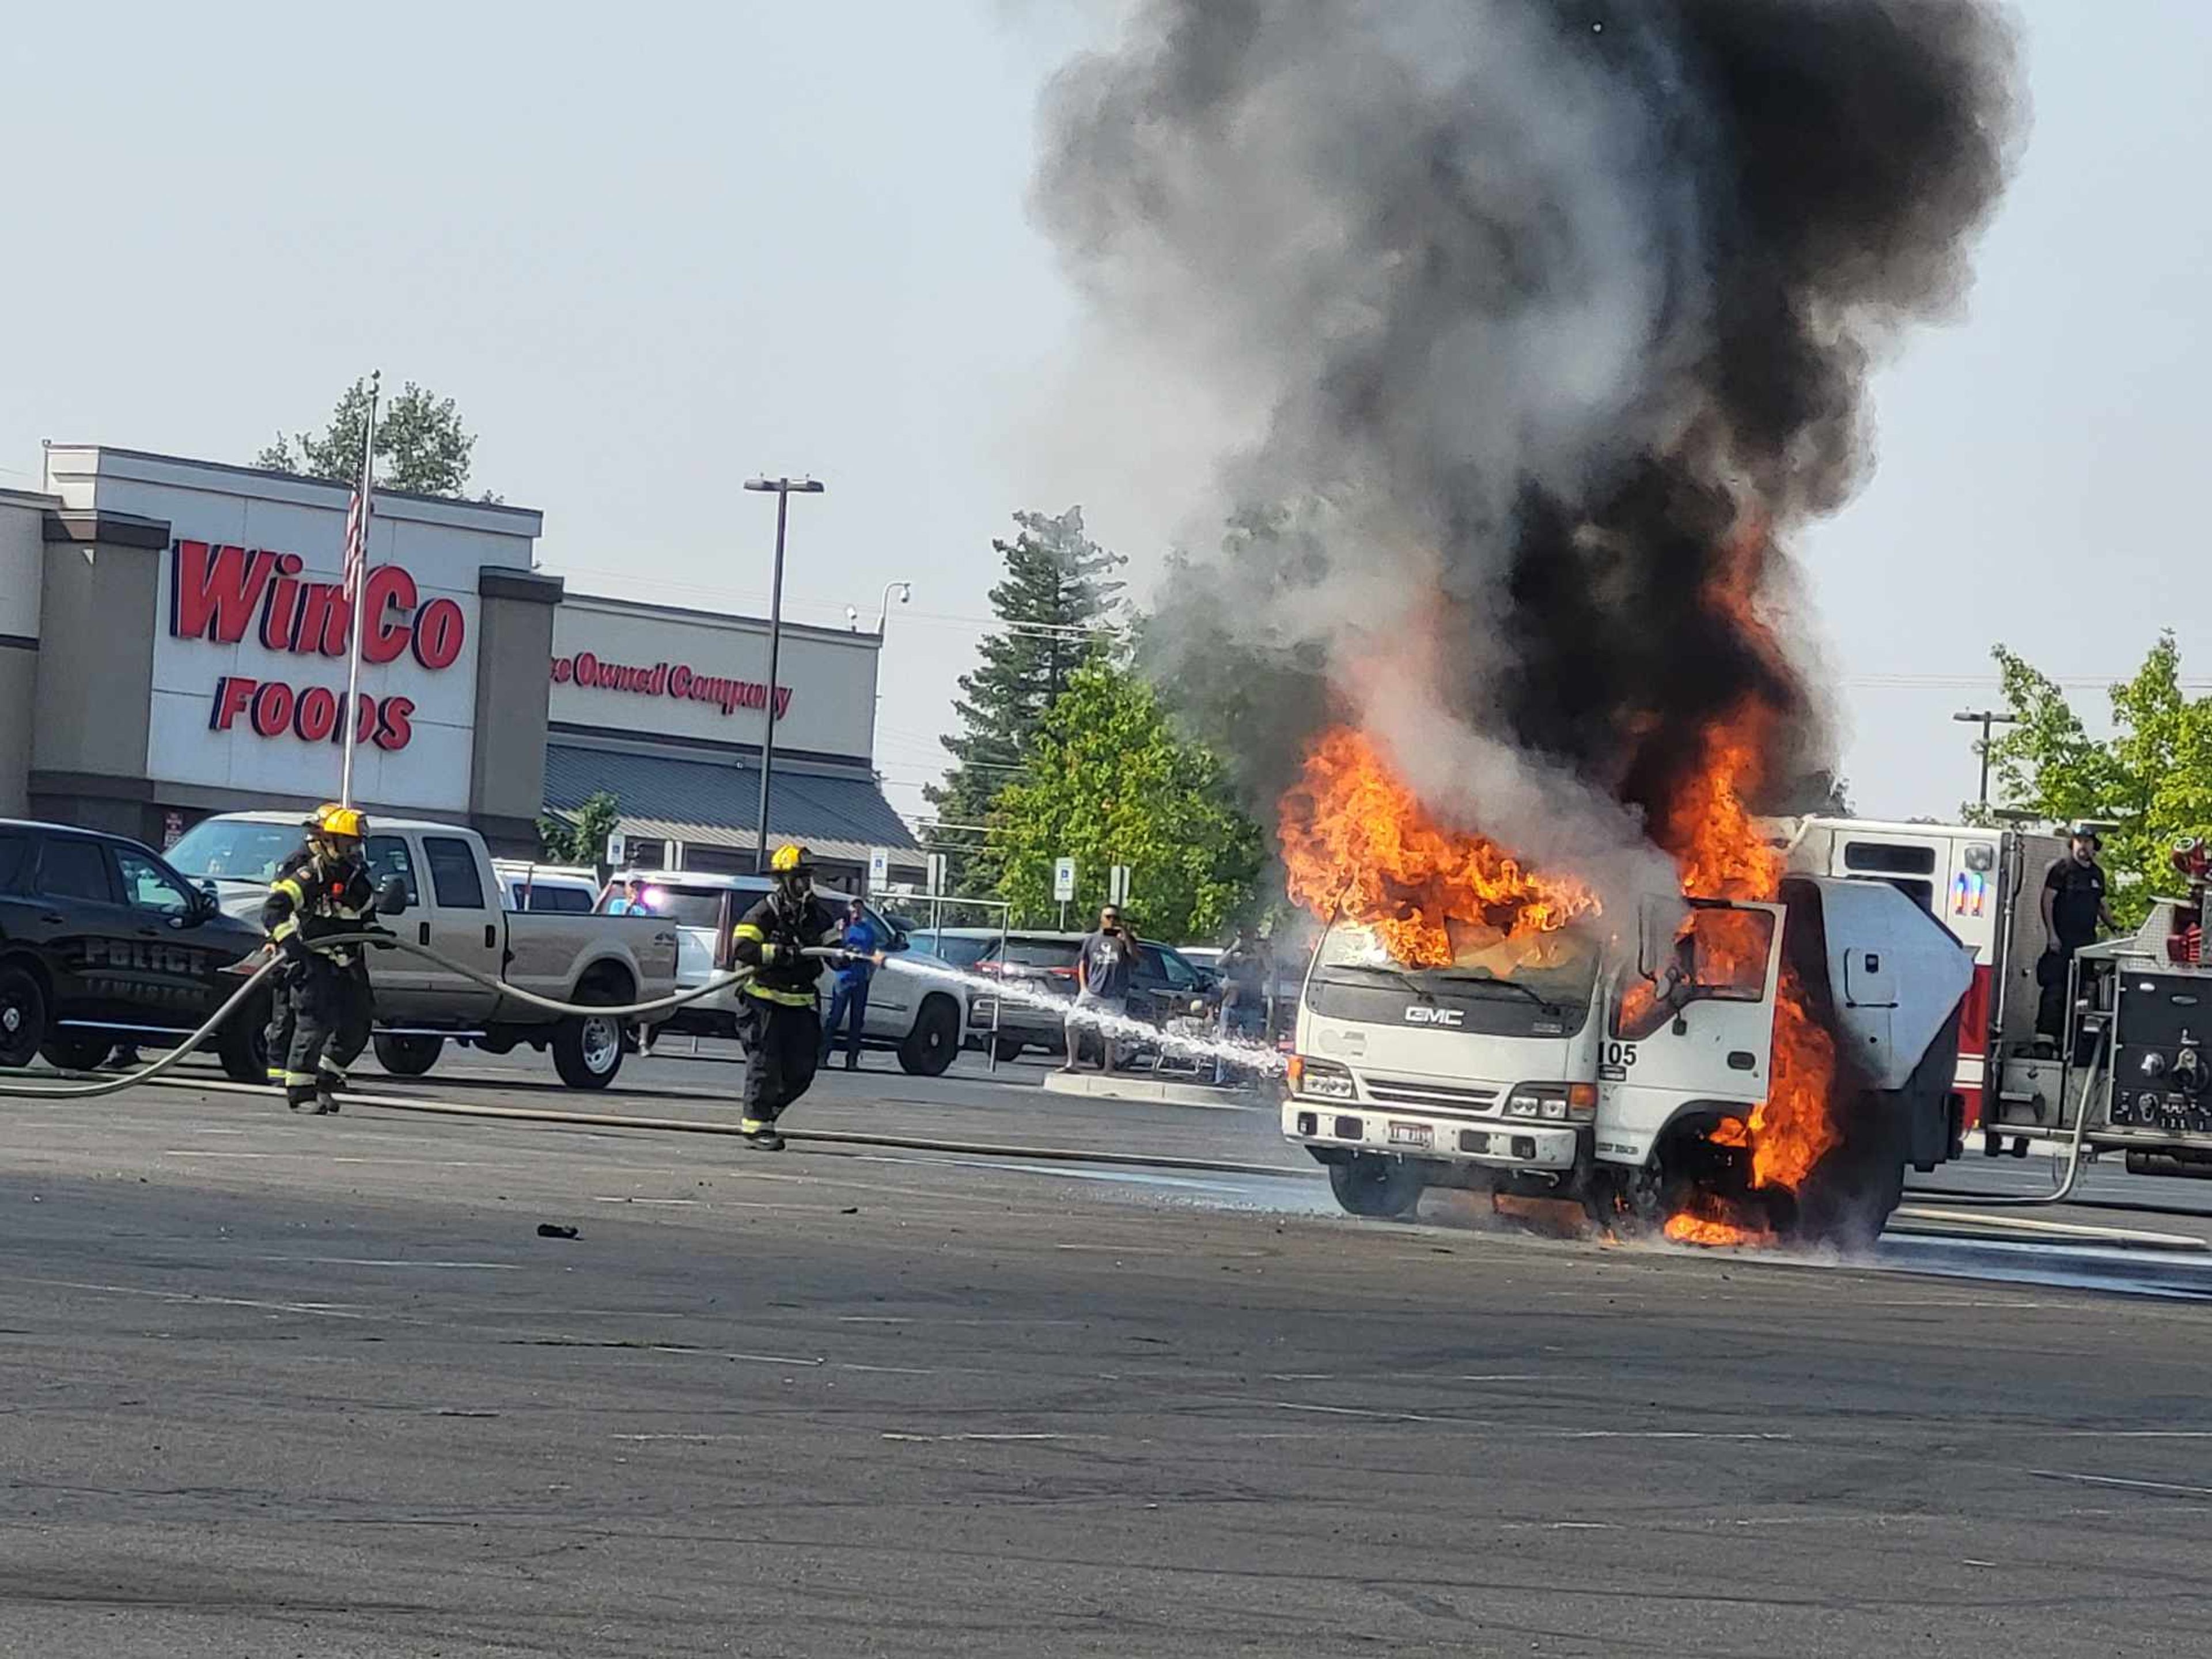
356 585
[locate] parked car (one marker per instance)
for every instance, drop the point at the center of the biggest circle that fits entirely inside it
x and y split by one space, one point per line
565 890
1163 986
102 943
915 1016
454 906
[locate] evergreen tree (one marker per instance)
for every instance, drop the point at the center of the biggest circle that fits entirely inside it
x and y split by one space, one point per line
1059 589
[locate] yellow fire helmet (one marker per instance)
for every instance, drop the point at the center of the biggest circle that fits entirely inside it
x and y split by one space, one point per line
791 861
338 823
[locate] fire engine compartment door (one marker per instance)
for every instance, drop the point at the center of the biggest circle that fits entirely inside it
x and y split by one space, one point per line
1700 1024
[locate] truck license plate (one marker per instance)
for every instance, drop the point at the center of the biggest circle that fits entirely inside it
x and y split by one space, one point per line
1412 1134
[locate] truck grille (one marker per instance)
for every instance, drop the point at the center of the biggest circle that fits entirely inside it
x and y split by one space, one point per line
1440 1098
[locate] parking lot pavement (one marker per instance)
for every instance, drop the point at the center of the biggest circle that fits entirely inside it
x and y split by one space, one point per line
280 1385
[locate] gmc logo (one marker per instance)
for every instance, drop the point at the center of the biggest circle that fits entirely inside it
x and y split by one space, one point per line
1420 1015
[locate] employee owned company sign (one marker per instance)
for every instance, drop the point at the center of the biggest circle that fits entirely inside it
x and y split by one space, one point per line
675 681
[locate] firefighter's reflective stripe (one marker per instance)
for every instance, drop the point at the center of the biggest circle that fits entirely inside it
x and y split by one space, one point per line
278 1074
289 888
285 928
746 930
789 999
299 1079
751 1126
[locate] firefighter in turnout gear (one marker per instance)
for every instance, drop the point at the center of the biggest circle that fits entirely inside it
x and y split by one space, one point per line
322 994
782 1024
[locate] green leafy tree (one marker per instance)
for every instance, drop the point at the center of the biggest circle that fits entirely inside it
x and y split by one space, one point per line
2150 781
1110 781
580 837
1059 591
421 444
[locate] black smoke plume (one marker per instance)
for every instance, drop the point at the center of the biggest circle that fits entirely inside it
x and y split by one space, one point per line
1548 323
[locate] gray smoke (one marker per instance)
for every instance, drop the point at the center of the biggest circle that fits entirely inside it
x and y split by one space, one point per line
1533 303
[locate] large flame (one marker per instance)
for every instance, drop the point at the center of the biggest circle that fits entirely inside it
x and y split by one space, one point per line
1716 844
1357 842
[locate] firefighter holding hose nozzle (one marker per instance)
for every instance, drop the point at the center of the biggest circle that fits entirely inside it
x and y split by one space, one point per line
781 941
322 994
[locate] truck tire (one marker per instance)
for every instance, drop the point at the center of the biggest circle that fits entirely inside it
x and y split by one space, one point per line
930 1047
587 1049
75 1053
1367 1185
22 1016
407 1056
1006 1048
242 1042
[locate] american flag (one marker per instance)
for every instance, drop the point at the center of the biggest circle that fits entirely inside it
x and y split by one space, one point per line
357 540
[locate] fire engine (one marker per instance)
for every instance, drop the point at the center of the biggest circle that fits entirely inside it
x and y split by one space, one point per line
1985 884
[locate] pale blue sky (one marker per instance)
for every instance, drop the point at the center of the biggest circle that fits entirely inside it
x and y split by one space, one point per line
652 249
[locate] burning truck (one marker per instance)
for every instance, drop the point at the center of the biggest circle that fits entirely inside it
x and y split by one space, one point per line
1731 1069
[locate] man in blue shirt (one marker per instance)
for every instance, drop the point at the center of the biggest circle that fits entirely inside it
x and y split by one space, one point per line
851 991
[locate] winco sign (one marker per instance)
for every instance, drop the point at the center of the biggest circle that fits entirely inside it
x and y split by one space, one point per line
250 669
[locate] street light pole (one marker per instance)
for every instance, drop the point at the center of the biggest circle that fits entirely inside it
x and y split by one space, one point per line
783 489
1984 717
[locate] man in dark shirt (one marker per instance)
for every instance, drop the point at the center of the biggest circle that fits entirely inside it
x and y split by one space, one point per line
1104 965
2073 908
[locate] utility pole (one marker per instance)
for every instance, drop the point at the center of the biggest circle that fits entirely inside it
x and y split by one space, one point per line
783 489
1986 718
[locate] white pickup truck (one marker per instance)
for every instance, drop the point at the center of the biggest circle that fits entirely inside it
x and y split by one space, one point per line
454 907
1595 1068
919 1017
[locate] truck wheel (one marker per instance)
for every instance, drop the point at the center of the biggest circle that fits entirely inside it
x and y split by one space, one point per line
22 1018
497 1042
408 1056
935 1039
1371 1186
587 1049
77 1054
242 1043
1006 1048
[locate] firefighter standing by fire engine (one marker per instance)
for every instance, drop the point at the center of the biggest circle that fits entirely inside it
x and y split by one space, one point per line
782 1024
322 994
2073 908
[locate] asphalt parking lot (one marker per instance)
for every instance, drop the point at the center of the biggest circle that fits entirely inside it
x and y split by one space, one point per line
274 1385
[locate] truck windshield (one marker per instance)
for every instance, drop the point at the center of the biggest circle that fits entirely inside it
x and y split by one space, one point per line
1555 968
225 849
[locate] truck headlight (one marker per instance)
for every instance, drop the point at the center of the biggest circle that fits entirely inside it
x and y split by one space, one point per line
1555 1103
1323 1078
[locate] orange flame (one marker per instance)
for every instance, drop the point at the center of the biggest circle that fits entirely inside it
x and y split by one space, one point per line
1354 838
1685 1227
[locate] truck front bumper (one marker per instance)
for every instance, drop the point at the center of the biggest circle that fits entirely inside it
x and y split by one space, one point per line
1497 1142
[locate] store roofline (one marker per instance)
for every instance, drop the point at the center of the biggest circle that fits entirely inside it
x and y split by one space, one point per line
342 489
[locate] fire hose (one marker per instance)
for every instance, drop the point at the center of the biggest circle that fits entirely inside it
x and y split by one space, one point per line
382 941
2059 1194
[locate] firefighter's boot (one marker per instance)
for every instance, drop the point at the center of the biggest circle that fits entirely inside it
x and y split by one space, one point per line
302 1095
760 1134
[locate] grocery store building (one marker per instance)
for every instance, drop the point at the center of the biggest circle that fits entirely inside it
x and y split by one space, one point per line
174 643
